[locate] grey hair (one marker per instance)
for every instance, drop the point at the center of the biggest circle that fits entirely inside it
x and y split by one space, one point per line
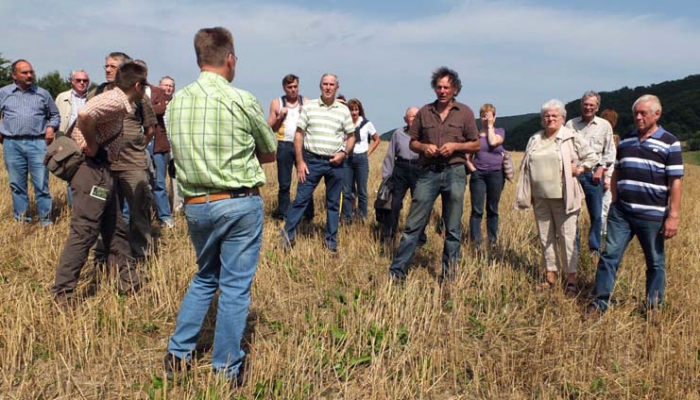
655 102
590 93
122 58
337 81
553 104
166 77
77 71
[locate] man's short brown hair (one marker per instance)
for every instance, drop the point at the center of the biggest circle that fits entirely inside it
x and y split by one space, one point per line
212 46
291 78
130 73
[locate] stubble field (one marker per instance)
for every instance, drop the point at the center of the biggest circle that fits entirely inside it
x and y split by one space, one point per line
325 327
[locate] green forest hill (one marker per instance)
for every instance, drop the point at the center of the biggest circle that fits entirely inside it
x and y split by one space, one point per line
680 116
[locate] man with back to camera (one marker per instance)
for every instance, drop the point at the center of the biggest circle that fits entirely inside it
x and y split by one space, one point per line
219 147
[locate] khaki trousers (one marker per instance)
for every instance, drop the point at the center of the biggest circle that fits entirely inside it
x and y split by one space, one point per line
91 217
557 231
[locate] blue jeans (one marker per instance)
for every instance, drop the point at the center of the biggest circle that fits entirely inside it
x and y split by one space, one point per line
356 172
160 188
449 183
226 235
333 177
594 203
621 229
485 185
285 167
26 156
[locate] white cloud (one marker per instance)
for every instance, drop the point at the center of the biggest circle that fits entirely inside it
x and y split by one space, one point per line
513 55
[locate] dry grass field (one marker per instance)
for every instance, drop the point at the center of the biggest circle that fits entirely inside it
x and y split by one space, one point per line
324 327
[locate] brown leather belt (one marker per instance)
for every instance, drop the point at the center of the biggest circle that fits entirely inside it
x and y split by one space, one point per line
230 194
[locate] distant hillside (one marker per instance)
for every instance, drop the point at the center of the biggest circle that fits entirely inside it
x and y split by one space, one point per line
681 110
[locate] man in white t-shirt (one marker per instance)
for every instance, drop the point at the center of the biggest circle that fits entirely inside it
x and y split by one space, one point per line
284 114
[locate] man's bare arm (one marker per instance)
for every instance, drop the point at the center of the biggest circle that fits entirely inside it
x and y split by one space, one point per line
674 208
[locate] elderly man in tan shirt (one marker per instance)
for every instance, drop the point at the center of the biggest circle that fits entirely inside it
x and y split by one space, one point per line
599 135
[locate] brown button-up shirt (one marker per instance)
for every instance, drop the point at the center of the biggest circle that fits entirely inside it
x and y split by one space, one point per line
458 127
133 155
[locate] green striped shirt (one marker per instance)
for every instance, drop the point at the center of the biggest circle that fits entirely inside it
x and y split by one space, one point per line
215 130
326 127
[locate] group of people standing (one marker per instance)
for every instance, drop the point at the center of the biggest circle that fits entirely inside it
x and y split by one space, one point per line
220 138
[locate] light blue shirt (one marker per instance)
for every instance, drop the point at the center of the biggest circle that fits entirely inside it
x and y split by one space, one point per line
27 113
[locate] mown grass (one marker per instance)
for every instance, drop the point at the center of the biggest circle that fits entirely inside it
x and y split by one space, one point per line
691 157
324 327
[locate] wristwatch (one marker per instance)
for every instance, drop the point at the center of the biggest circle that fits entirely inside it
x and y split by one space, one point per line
343 151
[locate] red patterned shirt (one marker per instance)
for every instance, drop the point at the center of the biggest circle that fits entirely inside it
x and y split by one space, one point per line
108 110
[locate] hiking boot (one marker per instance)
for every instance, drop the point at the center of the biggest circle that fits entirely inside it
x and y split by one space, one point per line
173 364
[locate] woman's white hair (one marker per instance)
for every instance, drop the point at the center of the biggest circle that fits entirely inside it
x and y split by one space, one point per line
553 104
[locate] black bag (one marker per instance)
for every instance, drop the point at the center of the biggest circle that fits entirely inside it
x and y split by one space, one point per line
382 205
63 158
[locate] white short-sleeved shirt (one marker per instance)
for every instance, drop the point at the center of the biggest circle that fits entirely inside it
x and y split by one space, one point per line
366 133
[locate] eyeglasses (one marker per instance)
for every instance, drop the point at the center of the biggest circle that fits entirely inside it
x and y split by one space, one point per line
111 67
82 80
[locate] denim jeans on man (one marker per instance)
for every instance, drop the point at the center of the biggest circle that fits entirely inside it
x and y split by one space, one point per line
356 173
333 177
621 229
285 167
485 185
448 182
226 235
594 203
160 188
25 155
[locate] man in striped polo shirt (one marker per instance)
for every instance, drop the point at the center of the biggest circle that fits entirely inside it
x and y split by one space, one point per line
646 199
324 137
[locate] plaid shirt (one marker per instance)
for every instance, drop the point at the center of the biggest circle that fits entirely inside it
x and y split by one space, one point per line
108 110
215 131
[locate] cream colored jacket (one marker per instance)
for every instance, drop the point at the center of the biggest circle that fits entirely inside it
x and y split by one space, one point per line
571 148
63 102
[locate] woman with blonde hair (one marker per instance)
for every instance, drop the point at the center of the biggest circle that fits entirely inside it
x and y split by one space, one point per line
487 178
554 158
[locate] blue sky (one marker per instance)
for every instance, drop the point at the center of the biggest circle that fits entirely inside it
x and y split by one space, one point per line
514 54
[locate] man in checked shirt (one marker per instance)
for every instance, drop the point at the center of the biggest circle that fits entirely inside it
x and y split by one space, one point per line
99 132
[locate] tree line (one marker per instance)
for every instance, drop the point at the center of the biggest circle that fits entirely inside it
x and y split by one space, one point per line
681 112
52 81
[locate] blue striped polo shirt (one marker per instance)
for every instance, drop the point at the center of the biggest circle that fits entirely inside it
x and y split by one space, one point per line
643 170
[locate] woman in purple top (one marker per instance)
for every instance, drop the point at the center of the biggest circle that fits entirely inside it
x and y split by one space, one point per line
487 178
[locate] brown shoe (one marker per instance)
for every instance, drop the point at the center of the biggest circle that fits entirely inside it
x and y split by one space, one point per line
592 312
173 364
571 290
